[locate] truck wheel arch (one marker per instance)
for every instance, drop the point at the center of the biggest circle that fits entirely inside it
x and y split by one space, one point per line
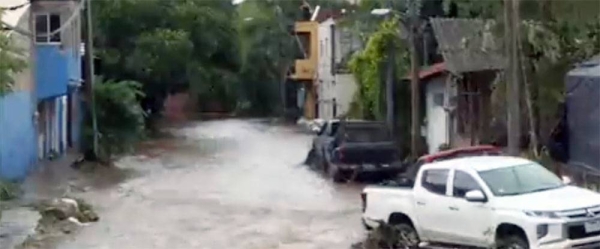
505 230
399 218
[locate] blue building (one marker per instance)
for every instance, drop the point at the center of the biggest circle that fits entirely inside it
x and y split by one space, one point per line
41 119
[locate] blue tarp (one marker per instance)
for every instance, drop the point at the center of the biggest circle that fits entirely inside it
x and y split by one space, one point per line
583 115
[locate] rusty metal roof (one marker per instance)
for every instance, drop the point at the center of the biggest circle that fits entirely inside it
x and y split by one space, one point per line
468 45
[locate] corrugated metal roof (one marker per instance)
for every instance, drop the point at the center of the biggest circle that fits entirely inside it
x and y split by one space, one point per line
467 45
12 17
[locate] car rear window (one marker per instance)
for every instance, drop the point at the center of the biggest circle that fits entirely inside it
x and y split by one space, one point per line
367 134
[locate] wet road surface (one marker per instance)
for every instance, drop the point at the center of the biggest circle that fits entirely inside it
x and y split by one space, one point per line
224 184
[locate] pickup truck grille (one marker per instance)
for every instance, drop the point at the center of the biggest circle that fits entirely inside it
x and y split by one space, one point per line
580 213
578 232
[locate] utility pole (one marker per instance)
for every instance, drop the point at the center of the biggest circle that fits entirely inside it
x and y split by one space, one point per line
89 72
414 82
389 87
511 19
389 84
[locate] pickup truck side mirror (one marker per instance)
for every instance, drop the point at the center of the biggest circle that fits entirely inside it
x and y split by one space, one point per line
567 180
475 196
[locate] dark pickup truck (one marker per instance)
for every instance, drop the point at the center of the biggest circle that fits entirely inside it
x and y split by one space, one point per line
358 148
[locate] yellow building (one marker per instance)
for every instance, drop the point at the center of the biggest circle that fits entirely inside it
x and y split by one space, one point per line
305 69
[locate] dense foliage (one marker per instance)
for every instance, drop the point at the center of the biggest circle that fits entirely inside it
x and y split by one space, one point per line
11 62
554 35
120 117
369 65
170 46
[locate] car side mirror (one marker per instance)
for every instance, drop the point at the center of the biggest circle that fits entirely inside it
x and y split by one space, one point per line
475 196
316 130
566 180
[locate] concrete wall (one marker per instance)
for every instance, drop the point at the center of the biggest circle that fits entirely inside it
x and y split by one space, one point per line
335 90
17 131
17 135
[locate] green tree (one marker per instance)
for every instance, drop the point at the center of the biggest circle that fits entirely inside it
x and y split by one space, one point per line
11 61
554 36
369 65
120 117
169 46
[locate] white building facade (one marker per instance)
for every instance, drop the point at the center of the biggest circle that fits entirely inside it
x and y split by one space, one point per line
336 86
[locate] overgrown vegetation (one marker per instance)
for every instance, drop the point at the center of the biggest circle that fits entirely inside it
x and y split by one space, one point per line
170 46
120 117
11 61
8 190
369 65
554 36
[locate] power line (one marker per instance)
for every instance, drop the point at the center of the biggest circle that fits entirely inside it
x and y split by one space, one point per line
16 7
66 24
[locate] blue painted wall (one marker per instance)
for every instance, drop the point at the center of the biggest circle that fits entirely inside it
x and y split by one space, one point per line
18 142
54 68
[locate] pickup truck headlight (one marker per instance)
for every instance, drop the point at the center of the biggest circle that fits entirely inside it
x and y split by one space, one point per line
542 214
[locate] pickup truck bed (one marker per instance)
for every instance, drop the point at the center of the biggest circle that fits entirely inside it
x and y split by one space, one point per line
358 153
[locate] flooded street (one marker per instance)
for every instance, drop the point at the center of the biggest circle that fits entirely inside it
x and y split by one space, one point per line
223 184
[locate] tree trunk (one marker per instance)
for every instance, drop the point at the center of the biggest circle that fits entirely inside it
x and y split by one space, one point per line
511 17
533 142
414 86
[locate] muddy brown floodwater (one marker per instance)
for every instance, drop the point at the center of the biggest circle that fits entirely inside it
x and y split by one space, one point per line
224 184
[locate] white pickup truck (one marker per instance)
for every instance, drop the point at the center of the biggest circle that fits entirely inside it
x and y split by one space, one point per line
487 202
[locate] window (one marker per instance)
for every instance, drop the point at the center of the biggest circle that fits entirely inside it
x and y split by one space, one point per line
334 128
435 180
45 24
303 44
333 48
463 183
438 99
321 48
520 179
326 46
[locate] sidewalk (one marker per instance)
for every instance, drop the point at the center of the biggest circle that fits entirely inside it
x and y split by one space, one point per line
51 179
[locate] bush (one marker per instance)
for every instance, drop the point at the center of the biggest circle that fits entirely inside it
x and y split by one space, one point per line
8 190
120 118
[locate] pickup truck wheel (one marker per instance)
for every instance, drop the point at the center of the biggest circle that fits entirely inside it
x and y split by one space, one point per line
324 165
337 175
310 158
512 242
407 237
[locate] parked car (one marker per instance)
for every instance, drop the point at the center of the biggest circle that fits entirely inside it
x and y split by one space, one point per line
487 201
356 148
408 175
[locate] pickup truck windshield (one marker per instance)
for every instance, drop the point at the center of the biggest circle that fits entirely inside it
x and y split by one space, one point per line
520 179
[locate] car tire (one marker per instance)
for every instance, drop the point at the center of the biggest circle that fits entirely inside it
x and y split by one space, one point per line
310 158
366 226
337 175
323 163
406 236
512 242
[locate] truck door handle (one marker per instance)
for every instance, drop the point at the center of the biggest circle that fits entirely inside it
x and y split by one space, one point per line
420 203
453 208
